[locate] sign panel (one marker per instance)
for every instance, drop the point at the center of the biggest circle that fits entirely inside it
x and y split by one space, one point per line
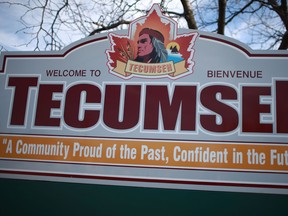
153 106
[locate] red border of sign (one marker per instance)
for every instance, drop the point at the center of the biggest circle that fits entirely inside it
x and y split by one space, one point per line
49 55
144 180
106 37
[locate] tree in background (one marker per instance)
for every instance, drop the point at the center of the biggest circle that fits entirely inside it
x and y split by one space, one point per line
52 24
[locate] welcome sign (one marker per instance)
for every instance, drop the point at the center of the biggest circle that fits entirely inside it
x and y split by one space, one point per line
153 106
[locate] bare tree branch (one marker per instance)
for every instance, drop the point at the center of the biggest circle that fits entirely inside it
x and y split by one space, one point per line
221 16
239 12
188 14
284 42
108 27
51 24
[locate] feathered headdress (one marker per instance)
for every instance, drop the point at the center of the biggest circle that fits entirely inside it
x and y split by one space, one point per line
160 49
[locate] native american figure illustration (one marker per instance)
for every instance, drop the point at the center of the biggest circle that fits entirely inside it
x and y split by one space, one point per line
151 47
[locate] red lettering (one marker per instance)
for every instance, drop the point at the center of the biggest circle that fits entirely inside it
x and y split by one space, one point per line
162 109
130 108
157 98
252 109
46 103
282 106
229 116
75 115
21 91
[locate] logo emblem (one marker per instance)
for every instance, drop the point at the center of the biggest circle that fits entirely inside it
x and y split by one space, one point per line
152 49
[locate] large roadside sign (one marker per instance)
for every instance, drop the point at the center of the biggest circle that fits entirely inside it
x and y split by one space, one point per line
152 106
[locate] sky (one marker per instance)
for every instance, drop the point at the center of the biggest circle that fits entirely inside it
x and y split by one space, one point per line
12 39
11 36
8 28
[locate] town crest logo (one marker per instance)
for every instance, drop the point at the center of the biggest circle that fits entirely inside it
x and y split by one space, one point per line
152 49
